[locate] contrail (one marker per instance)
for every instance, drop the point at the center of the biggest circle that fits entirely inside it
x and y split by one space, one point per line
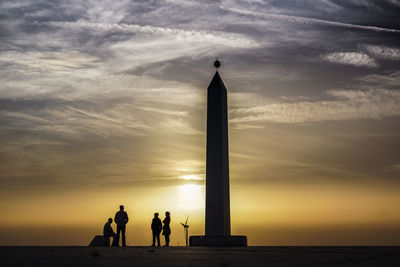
305 20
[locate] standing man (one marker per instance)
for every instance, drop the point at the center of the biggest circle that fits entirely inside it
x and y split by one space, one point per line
121 219
156 227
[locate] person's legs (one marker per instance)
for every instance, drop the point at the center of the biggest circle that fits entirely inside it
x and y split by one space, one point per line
114 236
158 239
167 240
118 234
123 235
154 238
107 241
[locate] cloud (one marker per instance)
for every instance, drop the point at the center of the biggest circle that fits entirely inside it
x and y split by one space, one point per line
351 58
54 61
211 37
345 105
386 81
117 117
114 88
383 51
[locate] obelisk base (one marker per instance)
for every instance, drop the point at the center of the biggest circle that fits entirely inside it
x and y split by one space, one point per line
218 241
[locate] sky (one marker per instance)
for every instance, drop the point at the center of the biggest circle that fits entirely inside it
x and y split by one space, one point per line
103 103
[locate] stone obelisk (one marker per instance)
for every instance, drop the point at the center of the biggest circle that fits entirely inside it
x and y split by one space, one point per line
218 224
218 221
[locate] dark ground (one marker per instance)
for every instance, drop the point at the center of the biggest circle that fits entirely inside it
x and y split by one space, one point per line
205 257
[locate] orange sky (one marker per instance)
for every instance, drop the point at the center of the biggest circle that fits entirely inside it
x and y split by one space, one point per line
268 214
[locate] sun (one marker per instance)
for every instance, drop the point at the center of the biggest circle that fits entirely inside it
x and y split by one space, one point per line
191 196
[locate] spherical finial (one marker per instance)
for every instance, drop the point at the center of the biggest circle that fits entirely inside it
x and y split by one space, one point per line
217 64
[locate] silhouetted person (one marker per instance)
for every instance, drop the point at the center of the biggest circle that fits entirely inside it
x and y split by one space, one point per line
156 227
166 230
109 232
121 219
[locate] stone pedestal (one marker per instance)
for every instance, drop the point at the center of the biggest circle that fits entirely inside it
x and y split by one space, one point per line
218 241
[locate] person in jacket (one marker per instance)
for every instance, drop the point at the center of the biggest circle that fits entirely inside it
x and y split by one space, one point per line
156 227
166 229
121 219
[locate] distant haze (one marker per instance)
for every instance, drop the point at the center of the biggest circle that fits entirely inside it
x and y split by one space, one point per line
103 103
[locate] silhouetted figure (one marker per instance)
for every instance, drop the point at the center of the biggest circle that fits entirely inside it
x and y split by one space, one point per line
166 230
121 219
109 232
156 227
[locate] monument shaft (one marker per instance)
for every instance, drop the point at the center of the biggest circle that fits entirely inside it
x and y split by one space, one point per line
218 221
217 161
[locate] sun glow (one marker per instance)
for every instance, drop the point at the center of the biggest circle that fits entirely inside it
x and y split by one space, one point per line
189 177
191 196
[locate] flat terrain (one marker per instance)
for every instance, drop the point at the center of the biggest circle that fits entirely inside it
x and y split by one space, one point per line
204 257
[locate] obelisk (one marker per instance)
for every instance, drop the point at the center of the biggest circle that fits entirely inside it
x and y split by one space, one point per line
218 224
218 221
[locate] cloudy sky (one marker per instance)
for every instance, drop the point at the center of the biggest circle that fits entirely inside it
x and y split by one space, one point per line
103 102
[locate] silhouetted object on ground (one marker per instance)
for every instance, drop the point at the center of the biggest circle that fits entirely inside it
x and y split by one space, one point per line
98 241
121 219
109 232
186 230
218 225
166 229
156 227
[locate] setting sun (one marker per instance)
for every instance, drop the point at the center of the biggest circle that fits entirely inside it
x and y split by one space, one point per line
191 197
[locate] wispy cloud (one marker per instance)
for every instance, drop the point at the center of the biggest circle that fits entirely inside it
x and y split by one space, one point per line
54 61
351 58
211 37
386 81
346 105
383 51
